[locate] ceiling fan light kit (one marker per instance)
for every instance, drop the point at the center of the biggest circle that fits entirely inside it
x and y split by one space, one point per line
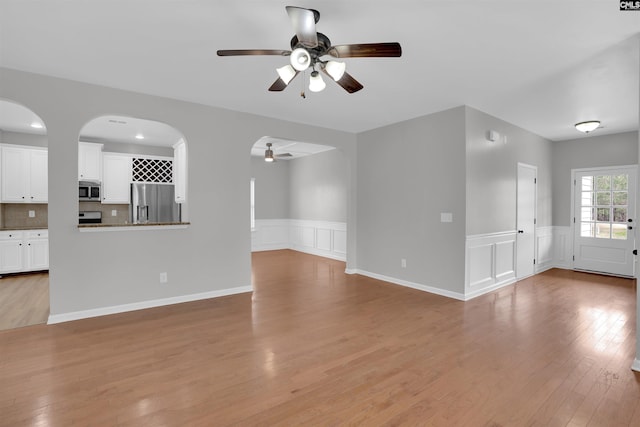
307 49
286 73
268 154
335 69
316 84
588 126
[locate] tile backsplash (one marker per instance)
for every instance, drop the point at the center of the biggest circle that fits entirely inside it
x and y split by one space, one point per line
122 211
16 215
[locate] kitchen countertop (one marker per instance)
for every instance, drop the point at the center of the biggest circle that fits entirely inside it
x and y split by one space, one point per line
22 228
131 225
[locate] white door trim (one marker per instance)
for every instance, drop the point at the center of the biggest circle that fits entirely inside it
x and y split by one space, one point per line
572 223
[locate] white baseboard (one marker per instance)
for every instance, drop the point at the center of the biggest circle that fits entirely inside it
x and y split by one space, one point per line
103 311
408 284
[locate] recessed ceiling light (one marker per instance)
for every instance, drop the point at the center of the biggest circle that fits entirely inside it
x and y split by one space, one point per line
588 126
139 136
36 125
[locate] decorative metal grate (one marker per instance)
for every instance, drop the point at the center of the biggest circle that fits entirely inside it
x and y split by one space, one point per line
152 170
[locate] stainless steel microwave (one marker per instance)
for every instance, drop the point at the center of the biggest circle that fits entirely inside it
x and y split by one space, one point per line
89 191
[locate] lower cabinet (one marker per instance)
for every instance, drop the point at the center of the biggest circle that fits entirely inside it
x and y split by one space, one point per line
24 250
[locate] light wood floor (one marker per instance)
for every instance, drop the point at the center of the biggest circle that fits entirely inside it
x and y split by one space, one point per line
24 300
313 346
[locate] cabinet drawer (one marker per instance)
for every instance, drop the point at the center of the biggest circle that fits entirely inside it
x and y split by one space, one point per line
11 235
37 234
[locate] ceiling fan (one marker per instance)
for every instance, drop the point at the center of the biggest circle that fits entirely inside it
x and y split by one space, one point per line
308 47
270 157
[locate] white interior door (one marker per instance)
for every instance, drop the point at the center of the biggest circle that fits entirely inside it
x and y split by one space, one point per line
526 220
604 220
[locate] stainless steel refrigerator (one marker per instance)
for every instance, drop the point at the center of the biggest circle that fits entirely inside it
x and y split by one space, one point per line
152 203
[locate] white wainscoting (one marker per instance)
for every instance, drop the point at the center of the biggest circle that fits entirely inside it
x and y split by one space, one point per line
490 262
544 249
323 238
562 247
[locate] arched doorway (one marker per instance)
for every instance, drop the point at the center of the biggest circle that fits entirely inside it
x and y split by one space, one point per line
24 244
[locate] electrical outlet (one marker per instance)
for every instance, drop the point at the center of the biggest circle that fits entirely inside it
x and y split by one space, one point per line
403 263
32 214
114 212
163 277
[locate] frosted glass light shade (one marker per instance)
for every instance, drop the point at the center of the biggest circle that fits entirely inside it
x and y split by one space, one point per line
588 126
316 84
286 73
268 155
300 59
335 69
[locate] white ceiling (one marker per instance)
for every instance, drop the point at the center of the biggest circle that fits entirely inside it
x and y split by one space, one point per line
125 129
18 118
542 65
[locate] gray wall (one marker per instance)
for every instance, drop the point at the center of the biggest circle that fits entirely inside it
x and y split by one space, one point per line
319 186
93 270
492 171
594 151
408 173
19 138
272 188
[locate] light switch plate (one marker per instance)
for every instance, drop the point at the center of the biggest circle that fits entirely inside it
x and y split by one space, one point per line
446 217
32 214
114 212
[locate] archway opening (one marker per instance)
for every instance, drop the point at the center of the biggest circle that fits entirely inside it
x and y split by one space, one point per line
24 242
131 171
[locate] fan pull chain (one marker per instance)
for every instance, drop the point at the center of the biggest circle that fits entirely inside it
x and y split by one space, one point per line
302 80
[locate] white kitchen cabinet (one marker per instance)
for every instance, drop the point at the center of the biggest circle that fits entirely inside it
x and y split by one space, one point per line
25 176
180 171
89 161
36 246
116 178
22 251
11 251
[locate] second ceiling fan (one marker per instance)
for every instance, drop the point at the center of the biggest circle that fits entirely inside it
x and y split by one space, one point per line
308 48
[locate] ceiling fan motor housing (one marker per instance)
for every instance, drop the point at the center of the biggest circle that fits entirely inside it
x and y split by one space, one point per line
324 44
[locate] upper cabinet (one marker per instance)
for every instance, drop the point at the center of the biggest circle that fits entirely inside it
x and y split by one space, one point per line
180 171
24 174
116 175
89 161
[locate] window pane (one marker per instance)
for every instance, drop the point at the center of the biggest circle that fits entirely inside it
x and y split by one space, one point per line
619 232
603 198
587 183
620 182
587 214
603 214
603 182
603 231
620 198
587 198
587 229
620 215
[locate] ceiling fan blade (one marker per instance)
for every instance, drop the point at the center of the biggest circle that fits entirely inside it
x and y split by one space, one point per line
284 155
366 50
304 24
279 85
242 52
347 82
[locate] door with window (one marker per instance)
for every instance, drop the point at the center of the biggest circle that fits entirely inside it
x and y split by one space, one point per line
604 220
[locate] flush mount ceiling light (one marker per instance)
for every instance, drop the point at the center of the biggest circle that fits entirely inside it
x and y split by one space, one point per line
308 47
588 126
36 125
139 136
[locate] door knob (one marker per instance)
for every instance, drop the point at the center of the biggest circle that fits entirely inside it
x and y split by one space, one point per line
520 231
